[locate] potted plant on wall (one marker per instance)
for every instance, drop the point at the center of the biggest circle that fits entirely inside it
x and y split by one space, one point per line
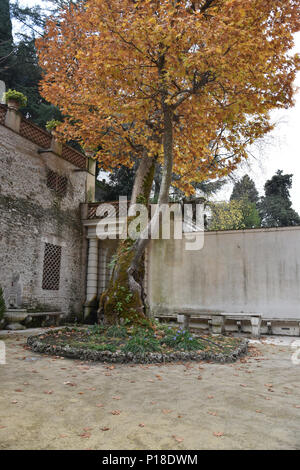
15 99
51 125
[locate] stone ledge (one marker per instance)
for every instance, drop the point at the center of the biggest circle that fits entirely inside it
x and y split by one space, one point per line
119 357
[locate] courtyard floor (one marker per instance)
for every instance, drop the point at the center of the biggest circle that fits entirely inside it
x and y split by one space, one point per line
56 403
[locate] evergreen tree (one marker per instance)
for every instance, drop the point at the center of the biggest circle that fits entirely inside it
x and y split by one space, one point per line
276 206
19 67
6 42
245 188
120 183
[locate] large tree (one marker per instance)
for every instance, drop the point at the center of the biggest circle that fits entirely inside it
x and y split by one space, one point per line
234 215
120 183
245 189
19 67
194 81
276 207
6 41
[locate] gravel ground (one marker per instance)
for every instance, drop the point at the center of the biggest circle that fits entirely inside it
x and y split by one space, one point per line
56 403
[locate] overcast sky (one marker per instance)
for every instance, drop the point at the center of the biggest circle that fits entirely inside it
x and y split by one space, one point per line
280 149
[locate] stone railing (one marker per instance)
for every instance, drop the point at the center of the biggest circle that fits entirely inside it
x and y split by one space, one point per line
93 206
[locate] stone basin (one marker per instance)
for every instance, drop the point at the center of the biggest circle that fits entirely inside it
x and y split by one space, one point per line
14 317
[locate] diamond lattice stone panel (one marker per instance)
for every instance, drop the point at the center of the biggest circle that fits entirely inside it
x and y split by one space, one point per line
57 183
51 269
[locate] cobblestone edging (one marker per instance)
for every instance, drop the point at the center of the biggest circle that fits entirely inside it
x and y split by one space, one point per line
119 357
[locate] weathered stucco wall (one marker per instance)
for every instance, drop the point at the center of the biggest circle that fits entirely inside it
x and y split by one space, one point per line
251 271
32 214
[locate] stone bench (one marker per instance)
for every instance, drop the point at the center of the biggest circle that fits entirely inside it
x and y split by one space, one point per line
254 318
217 320
270 321
47 316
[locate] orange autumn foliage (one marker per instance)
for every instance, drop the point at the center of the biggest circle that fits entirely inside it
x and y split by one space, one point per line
219 66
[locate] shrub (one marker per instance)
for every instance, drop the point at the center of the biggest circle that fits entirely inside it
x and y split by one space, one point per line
116 331
50 125
141 344
94 347
181 339
96 329
16 96
101 347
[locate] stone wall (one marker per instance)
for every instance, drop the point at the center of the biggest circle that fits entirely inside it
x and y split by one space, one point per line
33 215
250 271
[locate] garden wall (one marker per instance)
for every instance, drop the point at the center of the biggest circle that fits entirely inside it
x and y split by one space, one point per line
250 271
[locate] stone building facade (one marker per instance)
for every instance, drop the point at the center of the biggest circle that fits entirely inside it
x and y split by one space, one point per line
42 244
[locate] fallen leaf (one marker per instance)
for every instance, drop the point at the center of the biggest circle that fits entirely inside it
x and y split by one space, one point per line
218 434
104 429
166 411
213 413
116 398
116 412
71 384
178 439
85 435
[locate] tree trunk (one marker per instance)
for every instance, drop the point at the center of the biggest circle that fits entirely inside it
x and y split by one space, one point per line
124 299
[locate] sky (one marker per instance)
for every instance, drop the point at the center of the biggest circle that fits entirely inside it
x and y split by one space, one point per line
279 150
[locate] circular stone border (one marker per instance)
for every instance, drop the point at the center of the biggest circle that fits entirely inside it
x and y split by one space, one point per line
120 357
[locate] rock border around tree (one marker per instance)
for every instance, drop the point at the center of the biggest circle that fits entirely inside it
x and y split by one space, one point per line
122 358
